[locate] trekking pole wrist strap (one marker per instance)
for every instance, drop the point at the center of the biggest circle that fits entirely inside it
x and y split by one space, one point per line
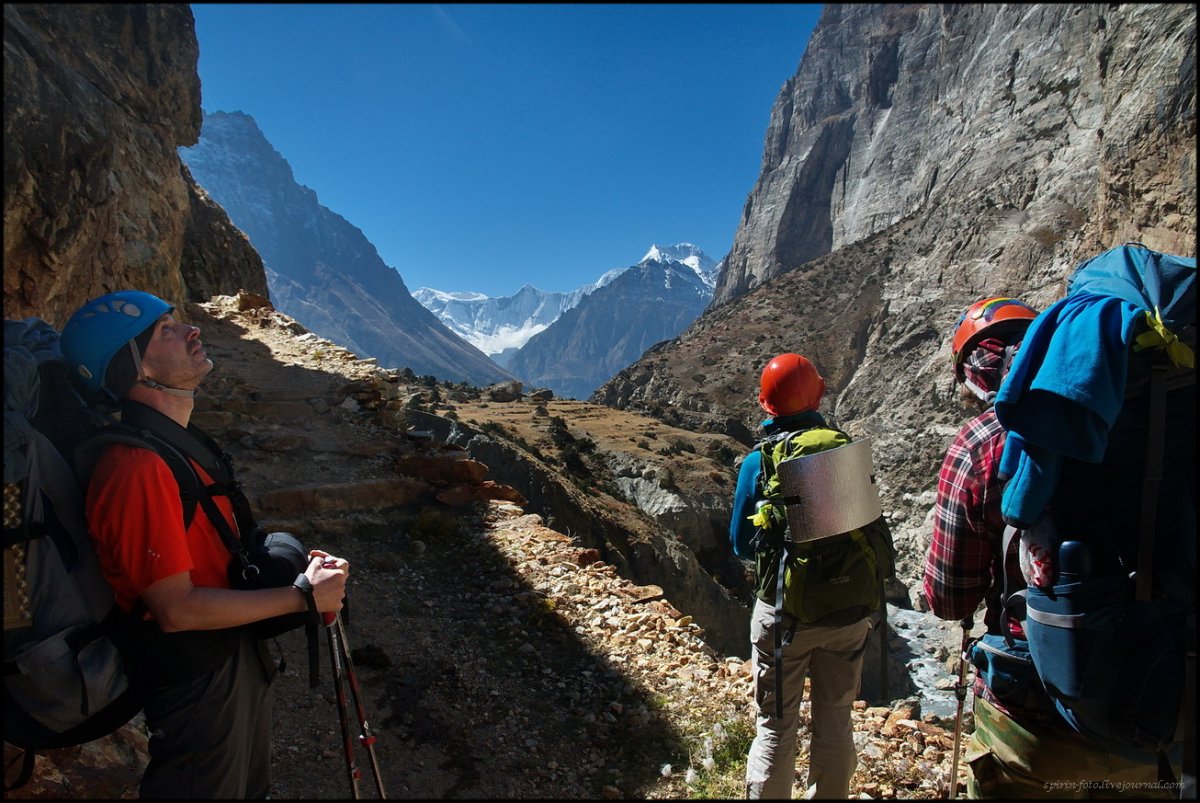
305 587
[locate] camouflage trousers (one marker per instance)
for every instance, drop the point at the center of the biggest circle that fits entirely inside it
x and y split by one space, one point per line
1048 760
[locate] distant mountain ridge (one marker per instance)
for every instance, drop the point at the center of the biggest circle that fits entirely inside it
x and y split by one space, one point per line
320 268
612 327
531 333
500 325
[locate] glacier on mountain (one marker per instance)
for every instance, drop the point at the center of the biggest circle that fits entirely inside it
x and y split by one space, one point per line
500 325
689 255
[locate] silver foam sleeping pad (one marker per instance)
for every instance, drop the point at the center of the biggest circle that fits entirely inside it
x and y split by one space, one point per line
830 492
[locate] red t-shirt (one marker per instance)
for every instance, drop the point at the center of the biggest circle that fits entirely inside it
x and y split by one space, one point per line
136 520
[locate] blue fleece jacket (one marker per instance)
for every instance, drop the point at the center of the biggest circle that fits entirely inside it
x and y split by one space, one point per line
1067 383
1062 394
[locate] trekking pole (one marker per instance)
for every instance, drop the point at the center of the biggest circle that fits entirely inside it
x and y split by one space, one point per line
960 691
366 738
335 658
883 639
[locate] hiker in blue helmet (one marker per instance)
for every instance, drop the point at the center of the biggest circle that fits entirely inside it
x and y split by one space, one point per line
98 331
201 665
1020 746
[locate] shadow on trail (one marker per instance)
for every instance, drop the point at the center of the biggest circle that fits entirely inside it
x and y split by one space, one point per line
474 685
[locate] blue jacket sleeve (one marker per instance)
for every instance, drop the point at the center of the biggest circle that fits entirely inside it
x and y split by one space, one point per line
744 497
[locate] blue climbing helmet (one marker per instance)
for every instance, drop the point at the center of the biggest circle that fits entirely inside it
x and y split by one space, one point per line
102 327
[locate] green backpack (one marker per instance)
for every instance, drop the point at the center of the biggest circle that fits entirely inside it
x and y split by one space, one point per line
824 582
827 581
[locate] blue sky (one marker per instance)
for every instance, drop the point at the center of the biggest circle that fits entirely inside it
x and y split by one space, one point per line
482 147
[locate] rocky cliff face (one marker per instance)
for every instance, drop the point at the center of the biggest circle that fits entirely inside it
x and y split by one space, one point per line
96 100
1071 125
921 158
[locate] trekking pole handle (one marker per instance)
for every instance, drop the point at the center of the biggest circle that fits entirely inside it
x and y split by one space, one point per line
328 617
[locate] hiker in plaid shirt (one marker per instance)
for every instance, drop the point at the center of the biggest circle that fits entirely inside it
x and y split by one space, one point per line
967 522
1020 748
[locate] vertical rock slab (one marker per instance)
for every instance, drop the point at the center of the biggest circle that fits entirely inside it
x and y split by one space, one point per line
96 101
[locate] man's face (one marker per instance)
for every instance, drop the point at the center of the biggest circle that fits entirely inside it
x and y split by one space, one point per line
969 399
175 356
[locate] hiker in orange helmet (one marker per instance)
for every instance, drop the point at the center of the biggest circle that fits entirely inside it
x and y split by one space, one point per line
787 648
1002 323
789 385
1020 747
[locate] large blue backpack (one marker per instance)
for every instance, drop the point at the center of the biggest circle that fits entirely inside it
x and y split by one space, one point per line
1100 406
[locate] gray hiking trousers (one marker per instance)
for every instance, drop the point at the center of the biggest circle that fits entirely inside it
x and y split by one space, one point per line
833 658
210 736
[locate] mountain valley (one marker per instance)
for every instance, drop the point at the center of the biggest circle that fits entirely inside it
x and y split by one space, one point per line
544 600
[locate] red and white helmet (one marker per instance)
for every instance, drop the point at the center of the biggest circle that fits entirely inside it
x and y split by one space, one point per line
990 317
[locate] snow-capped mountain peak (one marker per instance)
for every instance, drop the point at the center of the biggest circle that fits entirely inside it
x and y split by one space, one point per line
500 326
687 254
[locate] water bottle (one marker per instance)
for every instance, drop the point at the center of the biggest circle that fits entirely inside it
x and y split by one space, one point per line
1074 561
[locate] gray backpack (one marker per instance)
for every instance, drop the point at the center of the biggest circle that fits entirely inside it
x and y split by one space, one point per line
66 677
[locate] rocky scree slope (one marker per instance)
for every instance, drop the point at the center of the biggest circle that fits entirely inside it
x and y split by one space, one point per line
498 657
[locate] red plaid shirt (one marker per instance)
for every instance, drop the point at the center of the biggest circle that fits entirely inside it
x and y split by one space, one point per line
967 527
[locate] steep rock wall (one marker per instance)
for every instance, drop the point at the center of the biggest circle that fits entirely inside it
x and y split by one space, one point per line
1059 122
96 100
1011 143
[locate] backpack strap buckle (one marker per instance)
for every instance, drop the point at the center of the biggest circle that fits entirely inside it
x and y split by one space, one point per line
1010 604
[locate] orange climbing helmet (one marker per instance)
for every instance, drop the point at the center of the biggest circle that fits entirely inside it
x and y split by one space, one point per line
989 317
790 384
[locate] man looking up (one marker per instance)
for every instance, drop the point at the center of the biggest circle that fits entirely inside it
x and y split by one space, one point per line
203 672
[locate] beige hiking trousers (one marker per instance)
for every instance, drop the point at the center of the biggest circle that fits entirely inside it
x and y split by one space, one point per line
833 658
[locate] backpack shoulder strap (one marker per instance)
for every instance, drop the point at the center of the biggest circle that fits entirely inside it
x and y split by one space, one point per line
1013 603
192 444
90 450
1155 444
765 449
192 491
